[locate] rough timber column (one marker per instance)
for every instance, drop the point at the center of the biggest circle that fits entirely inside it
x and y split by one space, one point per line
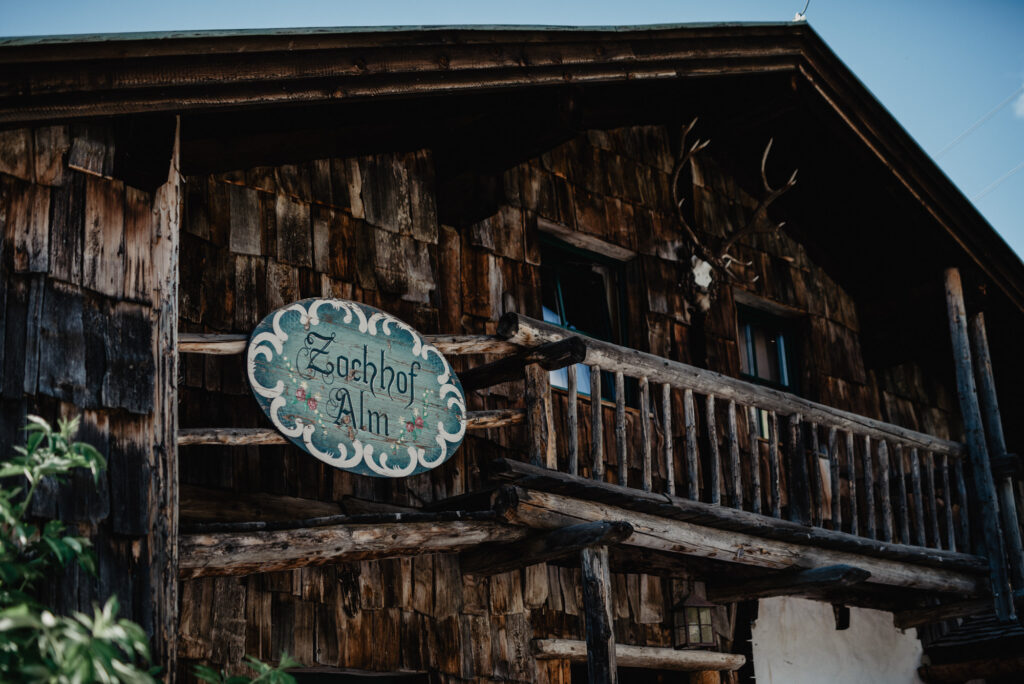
997 445
597 607
984 487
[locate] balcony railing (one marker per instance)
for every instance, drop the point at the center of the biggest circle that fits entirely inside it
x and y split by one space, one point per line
700 435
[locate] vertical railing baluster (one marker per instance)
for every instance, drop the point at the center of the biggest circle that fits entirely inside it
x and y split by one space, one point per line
715 466
915 482
851 479
948 496
735 487
902 512
620 429
774 485
817 493
754 433
666 413
961 498
645 431
884 489
933 502
596 424
833 479
690 423
869 489
574 423
798 481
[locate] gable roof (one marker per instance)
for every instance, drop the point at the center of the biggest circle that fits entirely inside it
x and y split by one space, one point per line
58 79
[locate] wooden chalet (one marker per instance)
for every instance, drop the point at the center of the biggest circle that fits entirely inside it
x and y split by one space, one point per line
683 417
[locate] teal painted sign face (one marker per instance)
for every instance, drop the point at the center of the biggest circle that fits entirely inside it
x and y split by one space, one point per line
356 387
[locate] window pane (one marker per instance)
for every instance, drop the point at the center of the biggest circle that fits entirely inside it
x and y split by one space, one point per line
707 636
694 634
691 616
705 616
746 351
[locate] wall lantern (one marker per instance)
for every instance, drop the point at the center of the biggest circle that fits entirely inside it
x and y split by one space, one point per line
692 623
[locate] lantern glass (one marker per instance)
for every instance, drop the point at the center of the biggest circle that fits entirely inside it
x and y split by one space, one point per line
692 620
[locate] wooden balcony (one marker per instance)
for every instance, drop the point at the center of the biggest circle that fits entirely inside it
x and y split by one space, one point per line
699 464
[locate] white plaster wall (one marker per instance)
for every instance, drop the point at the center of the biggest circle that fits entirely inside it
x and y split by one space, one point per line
796 642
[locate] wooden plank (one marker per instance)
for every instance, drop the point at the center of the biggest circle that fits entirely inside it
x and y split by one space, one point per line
915 617
620 429
245 230
543 510
869 490
851 464
244 553
814 477
915 482
714 461
28 222
796 460
648 657
735 474
596 424
574 423
902 510
800 583
103 250
540 422
550 356
598 616
138 245
989 403
666 416
774 483
985 496
964 524
585 241
528 332
205 504
645 434
933 502
490 559
885 490
690 420
754 435
475 420
948 499
833 470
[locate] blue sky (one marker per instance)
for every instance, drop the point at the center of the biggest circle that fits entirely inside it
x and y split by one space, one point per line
939 66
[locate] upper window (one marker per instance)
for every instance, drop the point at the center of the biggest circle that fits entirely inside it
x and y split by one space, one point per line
581 291
766 348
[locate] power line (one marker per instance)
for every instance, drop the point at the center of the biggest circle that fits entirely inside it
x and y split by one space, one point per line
977 124
994 184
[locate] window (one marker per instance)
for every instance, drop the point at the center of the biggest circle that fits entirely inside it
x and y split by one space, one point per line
766 347
582 291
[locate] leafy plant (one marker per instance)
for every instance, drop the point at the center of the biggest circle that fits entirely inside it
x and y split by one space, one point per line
35 644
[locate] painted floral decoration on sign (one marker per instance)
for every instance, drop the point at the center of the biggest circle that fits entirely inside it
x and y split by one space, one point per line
356 387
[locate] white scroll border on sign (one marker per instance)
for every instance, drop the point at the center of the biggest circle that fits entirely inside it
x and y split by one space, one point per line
267 344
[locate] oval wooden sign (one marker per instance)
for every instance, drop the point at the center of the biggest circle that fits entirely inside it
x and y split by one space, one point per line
356 387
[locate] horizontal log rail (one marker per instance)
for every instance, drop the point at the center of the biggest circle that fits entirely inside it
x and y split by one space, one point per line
453 345
248 548
475 420
648 657
544 510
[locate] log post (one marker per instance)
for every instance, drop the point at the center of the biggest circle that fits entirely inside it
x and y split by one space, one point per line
997 445
984 486
540 421
597 607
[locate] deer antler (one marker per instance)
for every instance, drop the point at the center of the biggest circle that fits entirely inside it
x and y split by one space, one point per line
771 195
685 154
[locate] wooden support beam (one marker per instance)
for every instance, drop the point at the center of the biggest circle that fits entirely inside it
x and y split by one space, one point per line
498 558
540 417
543 510
550 356
984 486
475 420
266 550
647 657
454 345
915 617
800 583
598 616
724 518
529 332
973 670
997 445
